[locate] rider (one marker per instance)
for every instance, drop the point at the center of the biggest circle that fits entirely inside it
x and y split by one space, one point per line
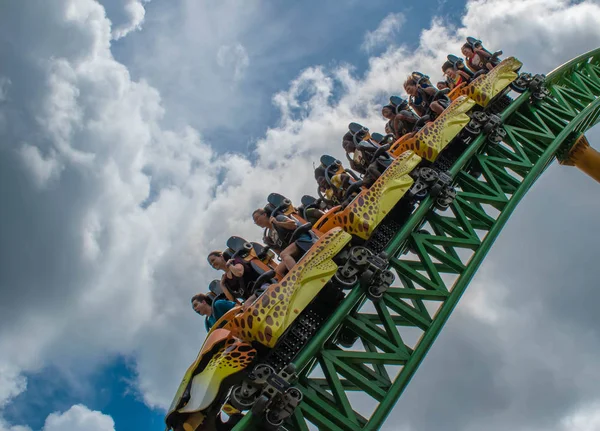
278 235
333 192
239 276
455 76
363 163
478 59
401 123
421 99
204 306
442 85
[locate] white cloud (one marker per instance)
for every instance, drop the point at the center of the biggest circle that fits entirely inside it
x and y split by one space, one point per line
387 30
79 418
125 15
11 383
585 419
233 58
117 278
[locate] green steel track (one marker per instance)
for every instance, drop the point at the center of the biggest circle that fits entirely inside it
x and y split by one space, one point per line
396 333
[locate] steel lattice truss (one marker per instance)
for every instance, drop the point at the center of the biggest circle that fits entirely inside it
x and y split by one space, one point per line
395 333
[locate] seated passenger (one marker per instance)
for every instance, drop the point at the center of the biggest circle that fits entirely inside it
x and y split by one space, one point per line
455 76
239 276
278 236
364 162
400 123
204 306
479 59
334 192
425 101
442 85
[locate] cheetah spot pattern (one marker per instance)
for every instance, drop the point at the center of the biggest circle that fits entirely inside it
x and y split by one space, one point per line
266 319
429 142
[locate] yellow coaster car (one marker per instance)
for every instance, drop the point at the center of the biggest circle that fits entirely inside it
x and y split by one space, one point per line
489 87
369 208
240 338
435 136
486 88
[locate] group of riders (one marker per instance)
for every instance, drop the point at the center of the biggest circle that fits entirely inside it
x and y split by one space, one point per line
405 117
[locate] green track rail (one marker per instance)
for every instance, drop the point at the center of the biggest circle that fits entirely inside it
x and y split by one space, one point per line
396 332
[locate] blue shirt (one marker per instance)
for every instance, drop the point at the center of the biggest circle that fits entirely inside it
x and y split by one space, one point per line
219 308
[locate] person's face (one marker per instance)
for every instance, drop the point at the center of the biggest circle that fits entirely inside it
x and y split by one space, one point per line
217 262
387 113
467 52
411 89
201 308
441 86
261 219
451 73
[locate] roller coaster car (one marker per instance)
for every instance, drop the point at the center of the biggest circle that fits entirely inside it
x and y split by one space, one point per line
404 177
206 382
435 136
245 362
491 86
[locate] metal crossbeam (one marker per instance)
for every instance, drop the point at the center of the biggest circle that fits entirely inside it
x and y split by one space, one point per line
395 333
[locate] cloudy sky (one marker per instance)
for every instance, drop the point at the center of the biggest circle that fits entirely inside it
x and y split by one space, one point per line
137 135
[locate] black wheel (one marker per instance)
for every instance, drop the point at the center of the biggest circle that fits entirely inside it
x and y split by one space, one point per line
261 374
260 405
295 394
387 277
472 128
436 189
481 117
238 401
346 338
345 282
358 256
366 276
488 127
290 369
497 136
272 422
428 175
516 86
521 84
441 204
421 194
374 293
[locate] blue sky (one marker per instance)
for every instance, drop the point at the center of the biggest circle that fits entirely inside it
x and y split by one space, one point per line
136 136
108 389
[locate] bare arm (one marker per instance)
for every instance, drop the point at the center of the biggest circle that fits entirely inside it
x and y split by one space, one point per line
237 269
286 224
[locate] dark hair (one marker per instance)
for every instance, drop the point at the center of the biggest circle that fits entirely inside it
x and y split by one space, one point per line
468 45
447 65
214 253
258 210
410 81
201 297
